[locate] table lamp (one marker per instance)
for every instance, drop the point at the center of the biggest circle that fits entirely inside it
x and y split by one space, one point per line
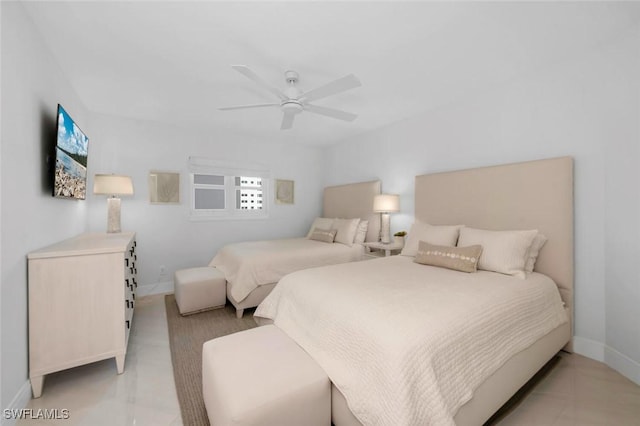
112 185
385 204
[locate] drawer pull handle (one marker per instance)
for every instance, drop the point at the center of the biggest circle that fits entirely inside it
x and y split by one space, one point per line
128 325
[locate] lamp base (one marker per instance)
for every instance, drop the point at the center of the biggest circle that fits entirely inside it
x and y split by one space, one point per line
385 228
113 215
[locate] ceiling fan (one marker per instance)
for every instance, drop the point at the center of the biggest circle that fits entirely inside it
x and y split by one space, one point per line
293 101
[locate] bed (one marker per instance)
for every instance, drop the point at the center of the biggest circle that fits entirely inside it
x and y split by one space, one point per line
252 269
385 365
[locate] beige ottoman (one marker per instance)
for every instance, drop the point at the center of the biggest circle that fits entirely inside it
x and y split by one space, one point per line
262 377
199 289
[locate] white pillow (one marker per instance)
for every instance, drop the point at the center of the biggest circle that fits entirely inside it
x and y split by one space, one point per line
361 233
502 251
444 235
320 222
346 230
534 250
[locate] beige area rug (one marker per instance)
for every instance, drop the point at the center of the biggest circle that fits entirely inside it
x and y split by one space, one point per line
186 336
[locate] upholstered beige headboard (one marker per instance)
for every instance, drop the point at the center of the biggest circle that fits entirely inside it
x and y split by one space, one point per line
351 201
530 195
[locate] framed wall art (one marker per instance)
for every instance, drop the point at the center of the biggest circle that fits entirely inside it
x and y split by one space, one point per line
164 187
284 191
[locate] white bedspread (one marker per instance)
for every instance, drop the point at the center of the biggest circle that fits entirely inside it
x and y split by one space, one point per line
251 264
407 344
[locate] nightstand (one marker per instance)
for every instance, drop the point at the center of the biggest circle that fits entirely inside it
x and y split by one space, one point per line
374 250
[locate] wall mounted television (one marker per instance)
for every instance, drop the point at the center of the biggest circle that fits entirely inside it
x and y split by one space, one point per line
70 178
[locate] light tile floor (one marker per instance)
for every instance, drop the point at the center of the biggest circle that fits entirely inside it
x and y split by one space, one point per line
144 394
576 391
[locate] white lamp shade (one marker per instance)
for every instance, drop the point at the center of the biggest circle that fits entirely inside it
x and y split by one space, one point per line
112 185
386 203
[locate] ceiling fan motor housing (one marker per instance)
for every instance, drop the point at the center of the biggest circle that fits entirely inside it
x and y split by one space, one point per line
292 92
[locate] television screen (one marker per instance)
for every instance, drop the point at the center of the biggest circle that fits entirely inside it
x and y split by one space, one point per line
71 159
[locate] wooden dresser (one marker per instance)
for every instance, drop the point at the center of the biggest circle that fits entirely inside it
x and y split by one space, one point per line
81 299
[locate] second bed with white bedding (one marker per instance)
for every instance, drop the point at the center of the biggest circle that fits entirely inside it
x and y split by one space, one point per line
251 264
407 343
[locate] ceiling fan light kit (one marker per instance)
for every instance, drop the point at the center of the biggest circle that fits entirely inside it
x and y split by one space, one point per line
291 107
293 101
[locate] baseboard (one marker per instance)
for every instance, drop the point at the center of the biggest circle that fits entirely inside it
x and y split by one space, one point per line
19 402
622 364
589 348
155 288
609 356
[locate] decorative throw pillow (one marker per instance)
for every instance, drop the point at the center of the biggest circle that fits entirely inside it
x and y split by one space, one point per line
443 235
534 250
346 230
324 235
464 259
320 222
502 251
361 233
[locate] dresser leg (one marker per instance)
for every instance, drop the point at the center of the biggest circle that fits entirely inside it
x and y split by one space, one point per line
36 386
120 363
239 313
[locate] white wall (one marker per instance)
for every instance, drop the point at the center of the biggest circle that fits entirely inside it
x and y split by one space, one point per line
1 399
622 208
32 86
586 107
166 236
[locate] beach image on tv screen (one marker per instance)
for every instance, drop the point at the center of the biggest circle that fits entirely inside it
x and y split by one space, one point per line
71 159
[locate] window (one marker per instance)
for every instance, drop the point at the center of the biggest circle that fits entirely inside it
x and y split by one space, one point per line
208 192
248 193
220 191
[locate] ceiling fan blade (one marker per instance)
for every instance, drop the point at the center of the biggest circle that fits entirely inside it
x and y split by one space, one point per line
287 121
246 71
340 85
248 106
330 112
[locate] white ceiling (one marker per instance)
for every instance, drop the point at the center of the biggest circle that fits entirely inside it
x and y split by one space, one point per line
170 61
